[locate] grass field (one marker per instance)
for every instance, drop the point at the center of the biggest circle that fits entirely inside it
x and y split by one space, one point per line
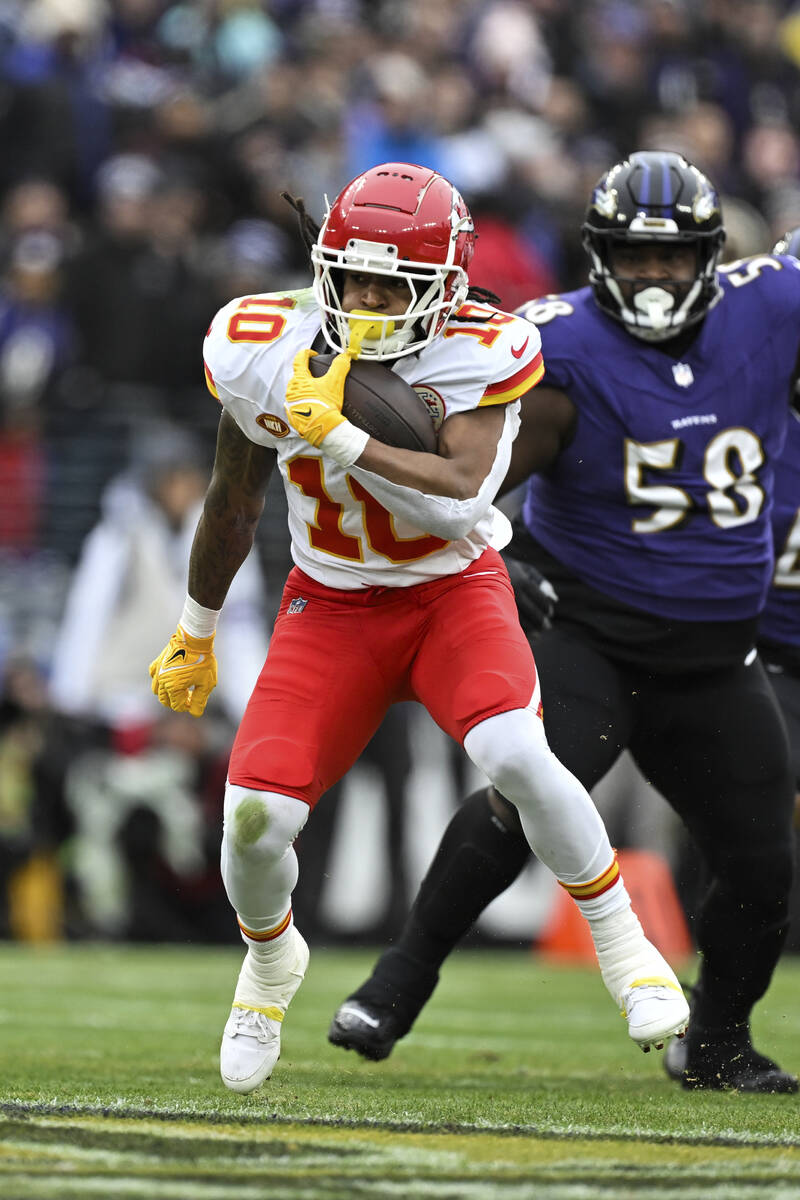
519 1082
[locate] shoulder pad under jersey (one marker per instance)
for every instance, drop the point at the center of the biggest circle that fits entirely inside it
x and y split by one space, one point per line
248 338
484 356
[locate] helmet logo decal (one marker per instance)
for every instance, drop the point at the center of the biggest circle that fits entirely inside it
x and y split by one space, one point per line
459 222
705 203
704 206
605 200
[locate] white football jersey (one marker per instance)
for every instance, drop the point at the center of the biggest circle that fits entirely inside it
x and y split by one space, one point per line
340 534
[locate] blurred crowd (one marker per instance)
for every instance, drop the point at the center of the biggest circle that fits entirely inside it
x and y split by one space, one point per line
144 146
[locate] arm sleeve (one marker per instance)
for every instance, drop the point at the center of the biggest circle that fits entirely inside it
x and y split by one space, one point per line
441 515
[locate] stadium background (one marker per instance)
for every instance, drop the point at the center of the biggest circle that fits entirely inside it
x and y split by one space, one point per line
143 149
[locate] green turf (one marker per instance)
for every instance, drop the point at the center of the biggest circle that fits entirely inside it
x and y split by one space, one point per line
519 1081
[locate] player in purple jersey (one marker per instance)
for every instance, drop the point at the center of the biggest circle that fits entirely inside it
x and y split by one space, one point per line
779 626
650 452
779 623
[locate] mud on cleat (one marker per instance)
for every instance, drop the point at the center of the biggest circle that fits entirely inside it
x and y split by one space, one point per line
655 1009
370 1031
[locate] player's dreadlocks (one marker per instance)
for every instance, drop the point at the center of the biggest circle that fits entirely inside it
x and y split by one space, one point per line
309 232
309 229
483 296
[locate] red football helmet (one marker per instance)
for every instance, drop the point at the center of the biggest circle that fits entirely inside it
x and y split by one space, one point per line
395 219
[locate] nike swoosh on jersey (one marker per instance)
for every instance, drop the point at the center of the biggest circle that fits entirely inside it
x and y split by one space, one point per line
519 353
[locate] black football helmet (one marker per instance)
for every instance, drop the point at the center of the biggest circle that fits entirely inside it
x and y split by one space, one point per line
654 195
789 243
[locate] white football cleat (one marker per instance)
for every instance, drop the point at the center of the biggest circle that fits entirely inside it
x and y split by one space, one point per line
251 1041
639 979
655 1009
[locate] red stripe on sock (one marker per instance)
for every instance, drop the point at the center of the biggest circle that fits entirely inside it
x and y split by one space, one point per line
266 935
594 887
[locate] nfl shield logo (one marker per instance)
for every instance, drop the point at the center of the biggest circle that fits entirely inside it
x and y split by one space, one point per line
683 374
297 605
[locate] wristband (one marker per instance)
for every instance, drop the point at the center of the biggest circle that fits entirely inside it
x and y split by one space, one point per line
345 443
198 621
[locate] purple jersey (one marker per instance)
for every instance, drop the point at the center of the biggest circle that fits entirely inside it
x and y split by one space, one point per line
780 620
663 498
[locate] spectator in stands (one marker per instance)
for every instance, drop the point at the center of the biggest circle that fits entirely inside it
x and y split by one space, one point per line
120 605
22 700
55 118
37 343
36 204
503 260
391 123
149 770
135 278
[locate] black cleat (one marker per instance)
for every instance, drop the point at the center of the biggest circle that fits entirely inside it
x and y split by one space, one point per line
722 1066
725 1062
385 1007
370 1031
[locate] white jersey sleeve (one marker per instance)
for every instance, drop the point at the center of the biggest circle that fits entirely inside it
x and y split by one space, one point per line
247 357
484 356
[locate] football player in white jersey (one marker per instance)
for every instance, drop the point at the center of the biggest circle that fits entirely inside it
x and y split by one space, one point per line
398 590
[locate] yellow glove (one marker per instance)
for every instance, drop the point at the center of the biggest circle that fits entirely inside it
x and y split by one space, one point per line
185 672
314 405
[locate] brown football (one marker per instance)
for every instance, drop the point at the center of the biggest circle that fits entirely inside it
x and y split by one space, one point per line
383 405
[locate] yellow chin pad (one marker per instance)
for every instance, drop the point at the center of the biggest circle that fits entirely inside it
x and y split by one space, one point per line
363 325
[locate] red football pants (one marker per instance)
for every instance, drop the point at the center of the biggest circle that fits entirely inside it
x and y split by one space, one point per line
336 664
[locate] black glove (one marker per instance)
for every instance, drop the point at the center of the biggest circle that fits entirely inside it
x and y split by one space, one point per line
535 596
